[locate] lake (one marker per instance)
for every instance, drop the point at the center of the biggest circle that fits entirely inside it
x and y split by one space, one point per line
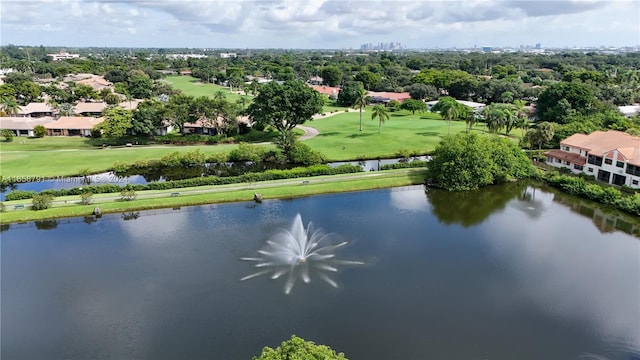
507 272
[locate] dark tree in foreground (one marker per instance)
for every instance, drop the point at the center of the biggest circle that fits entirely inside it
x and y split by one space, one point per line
284 106
299 349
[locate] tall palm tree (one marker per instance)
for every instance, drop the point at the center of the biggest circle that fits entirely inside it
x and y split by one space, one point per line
360 103
219 95
381 113
545 132
9 106
469 117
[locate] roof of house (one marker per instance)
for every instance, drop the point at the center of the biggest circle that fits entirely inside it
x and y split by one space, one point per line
23 123
96 82
89 107
130 105
327 90
599 143
567 156
35 108
463 102
74 123
389 95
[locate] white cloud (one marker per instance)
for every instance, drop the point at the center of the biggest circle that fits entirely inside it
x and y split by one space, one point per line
320 23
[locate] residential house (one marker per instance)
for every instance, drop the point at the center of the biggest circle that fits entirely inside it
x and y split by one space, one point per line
23 126
63 55
477 107
90 108
200 127
316 80
384 97
72 126
611 156
130 104
331 92
36 110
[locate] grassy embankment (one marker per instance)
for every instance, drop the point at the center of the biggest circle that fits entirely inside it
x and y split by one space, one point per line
68 206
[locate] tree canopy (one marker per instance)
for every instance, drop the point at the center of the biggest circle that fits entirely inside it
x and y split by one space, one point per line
557 102
285 105
299 349
468 161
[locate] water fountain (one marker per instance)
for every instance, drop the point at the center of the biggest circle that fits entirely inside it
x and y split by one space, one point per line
299 253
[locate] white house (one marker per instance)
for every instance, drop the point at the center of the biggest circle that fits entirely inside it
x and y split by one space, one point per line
611 156
477 107
629 110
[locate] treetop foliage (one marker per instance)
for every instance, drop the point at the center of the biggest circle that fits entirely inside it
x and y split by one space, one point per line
299 349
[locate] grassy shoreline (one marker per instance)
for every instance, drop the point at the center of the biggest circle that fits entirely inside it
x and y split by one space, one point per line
278 189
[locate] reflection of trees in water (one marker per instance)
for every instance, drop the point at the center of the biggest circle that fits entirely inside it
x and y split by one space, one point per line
4 227
468 208
90 219
605 218
46 224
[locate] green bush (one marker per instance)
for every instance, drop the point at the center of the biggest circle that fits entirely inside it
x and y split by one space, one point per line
39 131
128 195
3 207
405 165
247 152
120 167
301 153
41 201
19 195
7 135
86 198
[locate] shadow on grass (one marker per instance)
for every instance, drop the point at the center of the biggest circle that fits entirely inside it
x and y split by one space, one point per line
400 115
430 133
354 136
330 133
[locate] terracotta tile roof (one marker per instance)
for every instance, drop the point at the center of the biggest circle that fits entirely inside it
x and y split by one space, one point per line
600 143
74 123
35 108
390 95
327 90
23 123
567 156
89 107
130 105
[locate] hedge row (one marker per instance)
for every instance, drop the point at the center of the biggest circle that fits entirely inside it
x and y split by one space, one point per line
405 165
298 172
596 192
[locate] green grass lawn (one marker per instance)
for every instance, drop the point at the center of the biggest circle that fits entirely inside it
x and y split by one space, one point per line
194 87
73 161
340 138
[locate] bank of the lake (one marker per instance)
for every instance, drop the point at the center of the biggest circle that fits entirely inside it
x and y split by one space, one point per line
68 206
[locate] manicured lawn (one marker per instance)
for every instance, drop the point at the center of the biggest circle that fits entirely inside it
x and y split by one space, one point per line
193 87
73 161
45 143
340 139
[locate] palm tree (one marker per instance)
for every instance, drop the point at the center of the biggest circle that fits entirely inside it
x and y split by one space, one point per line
219 95
449 109
360 103
545 134
381 113
469 117
9 106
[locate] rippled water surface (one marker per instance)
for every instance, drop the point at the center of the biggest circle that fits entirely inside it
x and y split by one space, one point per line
511 272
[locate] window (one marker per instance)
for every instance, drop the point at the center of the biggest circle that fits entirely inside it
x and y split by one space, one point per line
634 182
595 160
566 148
608 161
620 164
590 170
567 163
633 170
558 160
577 167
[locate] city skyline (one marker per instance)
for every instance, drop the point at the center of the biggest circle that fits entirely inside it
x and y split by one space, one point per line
319 24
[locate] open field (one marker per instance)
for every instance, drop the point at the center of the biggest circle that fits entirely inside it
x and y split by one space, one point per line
193 87
340 139
63 162
68 206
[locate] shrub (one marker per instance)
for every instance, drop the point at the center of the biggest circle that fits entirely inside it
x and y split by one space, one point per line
247 152
3 207
86 198
128 195
39 131
7 135
19 195
41 201
302 154
120 167
258 126
217 158
171 159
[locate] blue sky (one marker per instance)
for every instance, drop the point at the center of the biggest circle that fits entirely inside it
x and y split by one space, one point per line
318 23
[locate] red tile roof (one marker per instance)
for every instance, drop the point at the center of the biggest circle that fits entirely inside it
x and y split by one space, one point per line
599 143
567 156
74 123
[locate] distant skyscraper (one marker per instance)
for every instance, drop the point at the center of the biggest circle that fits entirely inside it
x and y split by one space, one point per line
538 46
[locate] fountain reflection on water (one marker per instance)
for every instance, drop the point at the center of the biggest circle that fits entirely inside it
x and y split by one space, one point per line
299 253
